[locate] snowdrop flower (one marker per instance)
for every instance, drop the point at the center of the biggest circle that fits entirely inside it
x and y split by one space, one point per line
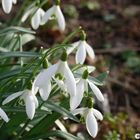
3 115
7 5
90 115
82 86
36 19
43 80
82 48
30 100
55 11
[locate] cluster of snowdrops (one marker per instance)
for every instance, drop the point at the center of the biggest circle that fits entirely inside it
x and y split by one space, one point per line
75 86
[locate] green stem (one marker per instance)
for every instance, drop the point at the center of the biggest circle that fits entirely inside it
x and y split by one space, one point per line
69 37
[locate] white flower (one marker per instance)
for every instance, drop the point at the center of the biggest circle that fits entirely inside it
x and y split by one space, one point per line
82 48
61 84
43 81
81 87
90 116
7 5
30 100
36 20
55 11
3 115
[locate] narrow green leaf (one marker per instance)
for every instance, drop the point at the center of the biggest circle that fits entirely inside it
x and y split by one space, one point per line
57 108
102 77
46 123
22 110
15 29
57 134
18 54
9 74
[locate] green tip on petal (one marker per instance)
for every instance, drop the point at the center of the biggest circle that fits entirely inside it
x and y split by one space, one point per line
59 76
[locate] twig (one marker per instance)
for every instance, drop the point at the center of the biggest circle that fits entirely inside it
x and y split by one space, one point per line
115 50
127 87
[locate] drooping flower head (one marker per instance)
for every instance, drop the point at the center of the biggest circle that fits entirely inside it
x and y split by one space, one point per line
31 102
82 86
7 5
90 115
37 13
57 13
83 48
43 80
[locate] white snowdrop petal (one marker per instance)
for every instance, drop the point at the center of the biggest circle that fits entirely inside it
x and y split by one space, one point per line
26 15
45 75
43 78
73 47
96 91
79 111
91 68
3 115
89 51
35 21
69 80
76 44
42 13
7 6
76 100
30 106
12 97
45 91
91 124
60 18
81 53
97 114
35 101
48 14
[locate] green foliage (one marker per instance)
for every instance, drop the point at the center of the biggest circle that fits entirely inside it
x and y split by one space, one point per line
132 60
120 127
112 135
